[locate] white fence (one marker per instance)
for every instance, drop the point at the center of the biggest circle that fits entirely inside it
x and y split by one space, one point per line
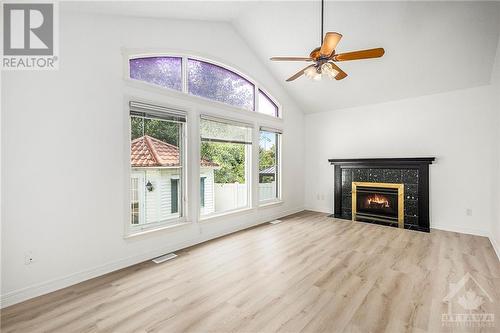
232 196
267 191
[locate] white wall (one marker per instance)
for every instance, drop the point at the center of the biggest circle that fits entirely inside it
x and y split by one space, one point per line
495 73
65 162
456 128
495 227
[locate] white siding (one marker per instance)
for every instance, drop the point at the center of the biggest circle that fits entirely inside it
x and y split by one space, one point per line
156 206
157 203
209 191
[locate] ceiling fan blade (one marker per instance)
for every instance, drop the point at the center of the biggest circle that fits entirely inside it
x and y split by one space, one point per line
357 55
290 59
298 74
329 43
341 75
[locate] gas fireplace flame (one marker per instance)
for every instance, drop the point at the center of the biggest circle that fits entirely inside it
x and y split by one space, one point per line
378 200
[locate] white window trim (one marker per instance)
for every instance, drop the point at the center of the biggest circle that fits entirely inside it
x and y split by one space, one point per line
228 213
162 228
134 53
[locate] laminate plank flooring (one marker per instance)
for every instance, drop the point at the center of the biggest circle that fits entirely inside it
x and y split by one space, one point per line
310 273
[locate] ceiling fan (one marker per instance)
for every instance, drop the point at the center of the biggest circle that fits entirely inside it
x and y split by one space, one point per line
323 58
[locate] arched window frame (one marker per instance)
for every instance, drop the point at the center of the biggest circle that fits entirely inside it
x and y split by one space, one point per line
184 78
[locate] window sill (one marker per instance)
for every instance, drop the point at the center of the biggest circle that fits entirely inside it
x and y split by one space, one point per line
229 213
143 232
271 203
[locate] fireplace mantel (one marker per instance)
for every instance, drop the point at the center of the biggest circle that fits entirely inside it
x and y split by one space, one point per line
382 161
413 172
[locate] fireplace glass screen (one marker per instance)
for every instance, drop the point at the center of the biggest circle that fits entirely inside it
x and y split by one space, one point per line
377 202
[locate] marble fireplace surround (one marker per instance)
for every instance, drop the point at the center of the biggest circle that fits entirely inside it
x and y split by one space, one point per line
412 172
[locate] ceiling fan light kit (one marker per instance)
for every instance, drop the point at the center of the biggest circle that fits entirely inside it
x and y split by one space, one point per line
317 73
325 56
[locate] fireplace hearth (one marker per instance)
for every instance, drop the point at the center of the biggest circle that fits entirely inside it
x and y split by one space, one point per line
388 191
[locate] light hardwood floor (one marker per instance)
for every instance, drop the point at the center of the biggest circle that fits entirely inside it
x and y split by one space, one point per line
310 273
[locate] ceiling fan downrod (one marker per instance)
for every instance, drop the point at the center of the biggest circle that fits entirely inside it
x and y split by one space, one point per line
322 19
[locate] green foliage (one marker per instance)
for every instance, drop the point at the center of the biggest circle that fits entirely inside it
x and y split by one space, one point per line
229 156
165 131
220 84
267 158
231 159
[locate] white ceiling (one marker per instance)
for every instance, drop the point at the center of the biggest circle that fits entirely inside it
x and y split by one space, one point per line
431 47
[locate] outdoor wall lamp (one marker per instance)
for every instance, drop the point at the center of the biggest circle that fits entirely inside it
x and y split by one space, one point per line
149 186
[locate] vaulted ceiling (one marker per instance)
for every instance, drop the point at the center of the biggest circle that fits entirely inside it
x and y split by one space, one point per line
431 47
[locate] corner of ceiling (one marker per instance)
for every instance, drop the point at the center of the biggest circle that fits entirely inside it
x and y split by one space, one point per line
495 72
237 30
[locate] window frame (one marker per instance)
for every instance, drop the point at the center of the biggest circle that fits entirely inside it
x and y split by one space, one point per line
134 230
272 100
184 91
279 139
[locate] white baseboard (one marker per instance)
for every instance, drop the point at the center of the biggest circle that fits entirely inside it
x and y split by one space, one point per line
495 245
319 209
461 230
470 231
46 287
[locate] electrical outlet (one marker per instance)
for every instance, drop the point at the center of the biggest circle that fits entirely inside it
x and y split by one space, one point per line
318 197
322 197
29 258
468 211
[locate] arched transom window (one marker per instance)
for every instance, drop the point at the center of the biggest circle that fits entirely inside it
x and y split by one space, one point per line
203 79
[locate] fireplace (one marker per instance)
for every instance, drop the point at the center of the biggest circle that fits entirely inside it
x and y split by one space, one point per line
378 202
410 174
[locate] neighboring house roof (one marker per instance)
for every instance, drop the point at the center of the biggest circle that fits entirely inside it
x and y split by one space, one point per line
147 151
268 171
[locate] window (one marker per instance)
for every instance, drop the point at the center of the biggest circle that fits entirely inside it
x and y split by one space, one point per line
225 159
266 105
220 84
203 79
157 153
269 164
162 71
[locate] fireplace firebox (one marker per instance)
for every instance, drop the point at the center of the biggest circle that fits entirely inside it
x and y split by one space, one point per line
378 202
